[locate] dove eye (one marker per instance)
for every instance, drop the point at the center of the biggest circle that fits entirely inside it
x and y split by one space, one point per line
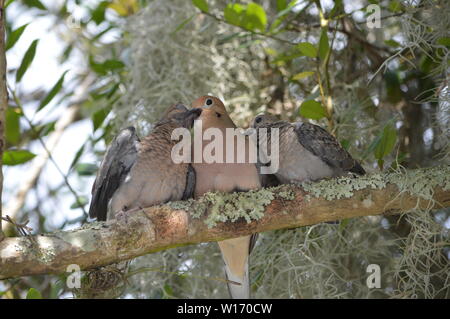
208 101
258 120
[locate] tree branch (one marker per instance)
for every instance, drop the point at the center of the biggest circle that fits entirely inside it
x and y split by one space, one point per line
191 222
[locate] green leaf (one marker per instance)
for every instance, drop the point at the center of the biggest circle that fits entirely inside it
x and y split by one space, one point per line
168 291
12 125
66 53
345 144
98 14
44 130
392 43
86 169
271 51
324 46
8 3
395 6
386 142
113 64
33 294
282 58
14 36
393 82
287 9
16 157
255 17
275 25
54 90
182 24
26 61
307 49
444 41
337 9
281 5
302 75
101 33
250 17
233 13
99 117
77 156
34 4
380 163
124 7
312 110
201 4
81 202
343 223
108 65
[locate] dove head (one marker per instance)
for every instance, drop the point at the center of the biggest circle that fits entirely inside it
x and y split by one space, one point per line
179 115
262 120
213 112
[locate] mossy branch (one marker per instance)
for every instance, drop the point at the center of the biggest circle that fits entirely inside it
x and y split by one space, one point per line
216 217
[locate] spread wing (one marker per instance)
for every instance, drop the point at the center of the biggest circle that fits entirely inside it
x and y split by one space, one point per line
118 160
323 145
190 183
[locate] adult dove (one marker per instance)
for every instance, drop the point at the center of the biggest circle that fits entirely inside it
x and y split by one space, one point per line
224 176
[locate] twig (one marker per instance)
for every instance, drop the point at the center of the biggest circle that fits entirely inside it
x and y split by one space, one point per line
300 28
384 64
50 156
267 35
23 229
364 22
70 115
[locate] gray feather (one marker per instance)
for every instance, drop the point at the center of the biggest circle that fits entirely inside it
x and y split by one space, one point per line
190 183
323 145
118 160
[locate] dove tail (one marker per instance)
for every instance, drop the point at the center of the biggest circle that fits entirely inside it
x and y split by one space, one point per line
358 169
235 253
236 291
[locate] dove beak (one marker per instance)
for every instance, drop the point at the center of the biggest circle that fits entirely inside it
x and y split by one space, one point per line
196 112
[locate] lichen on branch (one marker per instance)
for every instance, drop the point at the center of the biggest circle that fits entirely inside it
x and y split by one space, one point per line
218 216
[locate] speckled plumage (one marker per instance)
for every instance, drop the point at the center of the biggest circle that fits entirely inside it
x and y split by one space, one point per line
307 152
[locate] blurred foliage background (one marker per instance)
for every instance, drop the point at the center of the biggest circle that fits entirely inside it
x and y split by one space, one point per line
374 73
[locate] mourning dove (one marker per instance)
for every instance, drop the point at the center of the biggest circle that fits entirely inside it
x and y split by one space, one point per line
140 173
227 177
306 152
